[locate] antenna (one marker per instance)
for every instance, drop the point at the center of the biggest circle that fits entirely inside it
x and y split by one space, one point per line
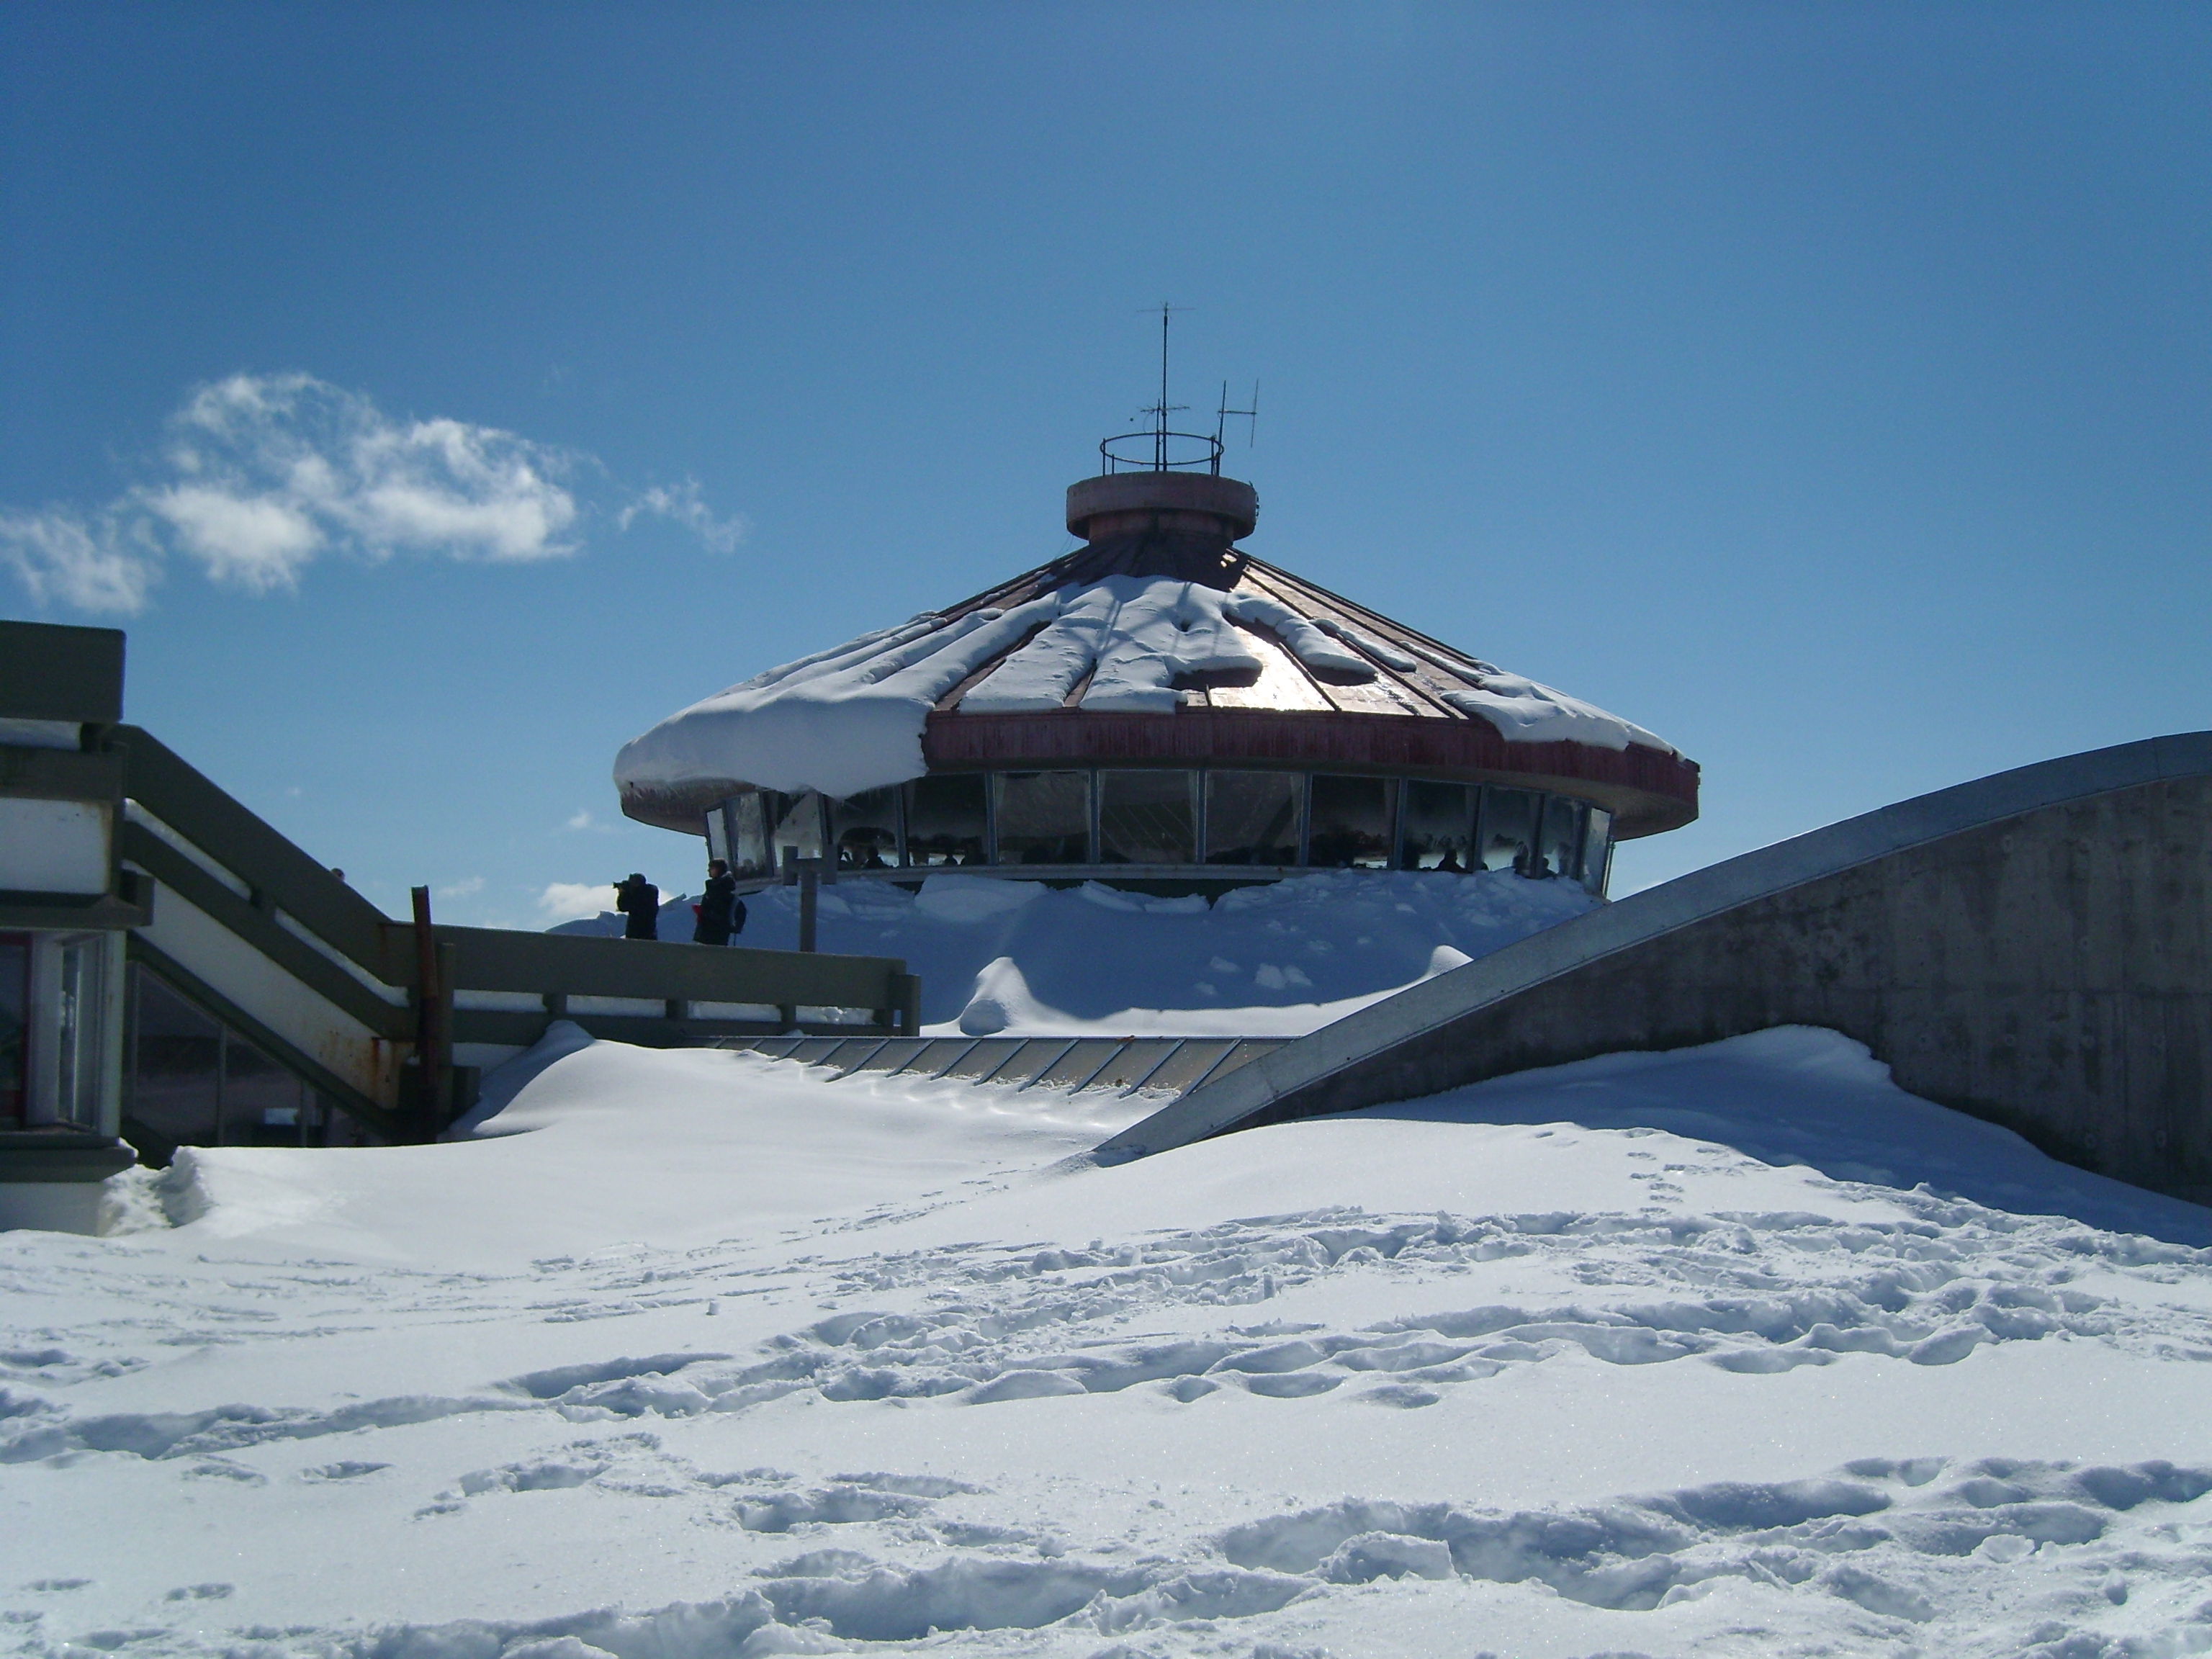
1160 410
1221 421
1172 451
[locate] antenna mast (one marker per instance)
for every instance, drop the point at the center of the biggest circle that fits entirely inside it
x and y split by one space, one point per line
1222 417
1176 452
1160 410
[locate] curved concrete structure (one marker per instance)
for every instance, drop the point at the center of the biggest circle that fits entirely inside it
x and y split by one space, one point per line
2034 948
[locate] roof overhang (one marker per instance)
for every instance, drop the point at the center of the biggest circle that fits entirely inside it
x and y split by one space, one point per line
1648 791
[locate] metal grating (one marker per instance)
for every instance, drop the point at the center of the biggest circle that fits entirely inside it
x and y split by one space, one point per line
1118 1065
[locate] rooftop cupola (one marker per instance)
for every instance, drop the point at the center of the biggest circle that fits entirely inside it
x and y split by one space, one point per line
1158 481
1176 503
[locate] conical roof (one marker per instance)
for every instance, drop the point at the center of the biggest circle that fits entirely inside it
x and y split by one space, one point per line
1158 642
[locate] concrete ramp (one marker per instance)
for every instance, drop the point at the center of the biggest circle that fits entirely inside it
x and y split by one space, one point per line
2034 948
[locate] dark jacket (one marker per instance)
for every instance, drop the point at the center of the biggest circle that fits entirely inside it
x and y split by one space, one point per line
718 911
640 902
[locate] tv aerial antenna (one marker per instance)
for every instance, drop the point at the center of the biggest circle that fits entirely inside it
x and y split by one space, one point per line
1223 414
1172 451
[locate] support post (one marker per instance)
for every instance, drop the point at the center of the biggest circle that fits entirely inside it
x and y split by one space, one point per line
807 875
434 1021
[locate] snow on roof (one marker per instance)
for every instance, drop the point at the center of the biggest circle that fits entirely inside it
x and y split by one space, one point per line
851 717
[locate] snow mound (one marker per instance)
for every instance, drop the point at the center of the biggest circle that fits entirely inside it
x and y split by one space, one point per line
1002 1004
1279 959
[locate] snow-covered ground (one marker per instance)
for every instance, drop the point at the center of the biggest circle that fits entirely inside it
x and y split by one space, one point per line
692 1354
1280 959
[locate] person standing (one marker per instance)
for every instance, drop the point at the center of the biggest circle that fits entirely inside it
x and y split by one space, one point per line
639 900
720 913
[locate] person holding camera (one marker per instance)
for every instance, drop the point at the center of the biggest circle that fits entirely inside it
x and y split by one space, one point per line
639 900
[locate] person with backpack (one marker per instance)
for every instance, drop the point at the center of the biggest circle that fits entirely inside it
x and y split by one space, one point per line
720 912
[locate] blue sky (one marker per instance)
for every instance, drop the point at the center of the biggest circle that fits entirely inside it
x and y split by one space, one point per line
1823 387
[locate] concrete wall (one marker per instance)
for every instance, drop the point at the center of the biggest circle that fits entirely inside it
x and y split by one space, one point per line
2035 949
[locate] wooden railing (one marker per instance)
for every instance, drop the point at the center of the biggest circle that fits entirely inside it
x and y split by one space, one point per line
308 922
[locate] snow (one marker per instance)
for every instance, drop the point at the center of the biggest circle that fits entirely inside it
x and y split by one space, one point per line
1308 643
1135 636
1524 711
1389 655
1273 959
850 718
842 722
1737 1350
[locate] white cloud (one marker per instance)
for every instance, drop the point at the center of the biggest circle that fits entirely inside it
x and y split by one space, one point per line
272 469
257 543
463 889
260 475
583 819
87 564
573 901
682 504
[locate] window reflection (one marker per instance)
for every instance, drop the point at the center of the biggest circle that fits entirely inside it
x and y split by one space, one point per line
1559 844
1041 817
1147 817
1252 818
748 821
79 992
262 1103
797 820
1508 829
175 1092
944 818
1350 823
14 1027
1439 830
1151 816
865 829
1597 850
189 1080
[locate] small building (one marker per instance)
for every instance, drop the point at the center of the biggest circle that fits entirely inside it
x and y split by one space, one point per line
65 903
1157 708
175 973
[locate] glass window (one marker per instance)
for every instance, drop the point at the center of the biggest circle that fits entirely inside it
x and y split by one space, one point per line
1561 844
717 832
263 1104
1350 823
1147 817
865 829
1252 818
79 1004
944 818
1597 850
747 820
14 1027
1439 831
176 1071
797 820
1508 829
1041 817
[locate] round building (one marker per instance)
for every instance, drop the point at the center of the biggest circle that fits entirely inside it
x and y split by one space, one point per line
1159 709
